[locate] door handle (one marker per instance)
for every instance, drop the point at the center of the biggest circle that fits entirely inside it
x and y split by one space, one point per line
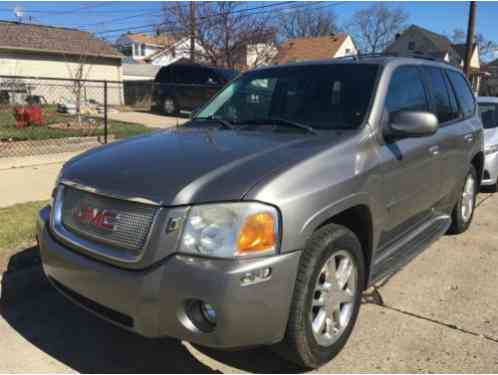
434 150
468 138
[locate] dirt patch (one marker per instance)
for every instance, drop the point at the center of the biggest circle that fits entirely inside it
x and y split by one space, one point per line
87 127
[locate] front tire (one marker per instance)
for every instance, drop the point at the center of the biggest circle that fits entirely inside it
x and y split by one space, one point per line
327 297
463 212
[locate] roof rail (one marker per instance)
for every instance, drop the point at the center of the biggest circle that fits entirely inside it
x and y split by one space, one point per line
415 55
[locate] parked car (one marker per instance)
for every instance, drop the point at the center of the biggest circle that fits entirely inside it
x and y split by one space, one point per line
186 87
262 220
488 108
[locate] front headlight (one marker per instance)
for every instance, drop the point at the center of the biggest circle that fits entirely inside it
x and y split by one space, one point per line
491 149
54 190
227 230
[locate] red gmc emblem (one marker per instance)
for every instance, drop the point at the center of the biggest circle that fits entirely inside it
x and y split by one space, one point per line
99 218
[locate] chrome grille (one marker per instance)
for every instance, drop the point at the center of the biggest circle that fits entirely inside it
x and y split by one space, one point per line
131 221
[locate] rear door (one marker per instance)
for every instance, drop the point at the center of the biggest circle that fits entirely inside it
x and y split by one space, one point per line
184 78
411 172
466 132
444 106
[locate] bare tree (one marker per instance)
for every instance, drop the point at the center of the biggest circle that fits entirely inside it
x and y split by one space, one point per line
223 30
373 28
487 48
305 23
79 67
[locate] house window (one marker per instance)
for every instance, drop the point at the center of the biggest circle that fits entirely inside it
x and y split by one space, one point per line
348 51
411 45
142 49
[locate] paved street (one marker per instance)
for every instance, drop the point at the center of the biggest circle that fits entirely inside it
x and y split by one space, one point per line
440 314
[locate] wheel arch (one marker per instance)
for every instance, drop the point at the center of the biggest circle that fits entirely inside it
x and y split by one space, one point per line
358 219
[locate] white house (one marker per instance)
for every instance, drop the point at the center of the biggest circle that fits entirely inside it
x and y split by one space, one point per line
180 50
260 54
141 46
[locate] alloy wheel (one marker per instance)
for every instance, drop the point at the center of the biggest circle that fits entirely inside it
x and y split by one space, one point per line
169 106
468 197
333 299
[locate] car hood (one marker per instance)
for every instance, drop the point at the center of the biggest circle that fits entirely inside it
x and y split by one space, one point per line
185 166
490 137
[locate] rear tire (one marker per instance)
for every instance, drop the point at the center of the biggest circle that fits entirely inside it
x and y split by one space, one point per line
463 212
323 269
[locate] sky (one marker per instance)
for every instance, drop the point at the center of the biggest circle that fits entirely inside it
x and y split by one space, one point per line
102 17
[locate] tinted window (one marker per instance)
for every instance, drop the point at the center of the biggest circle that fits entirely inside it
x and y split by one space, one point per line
463 93
322 96
489 115
406 91
226 74
163 75
440 95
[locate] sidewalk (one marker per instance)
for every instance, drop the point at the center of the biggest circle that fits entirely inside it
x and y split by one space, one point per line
148 119
27 184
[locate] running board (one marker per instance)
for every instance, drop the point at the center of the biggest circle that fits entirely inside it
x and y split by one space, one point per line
397 256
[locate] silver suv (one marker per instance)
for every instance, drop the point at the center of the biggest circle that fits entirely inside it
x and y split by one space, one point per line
262 220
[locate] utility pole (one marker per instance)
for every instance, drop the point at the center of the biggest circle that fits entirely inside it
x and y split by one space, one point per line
470 38
192 31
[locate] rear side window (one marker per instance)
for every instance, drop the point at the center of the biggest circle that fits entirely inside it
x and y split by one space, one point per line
406 91
163 76
463 93
489 115
440 95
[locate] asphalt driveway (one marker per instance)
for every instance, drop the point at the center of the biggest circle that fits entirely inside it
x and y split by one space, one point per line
439 314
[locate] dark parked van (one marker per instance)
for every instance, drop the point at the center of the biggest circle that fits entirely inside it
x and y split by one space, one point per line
187 86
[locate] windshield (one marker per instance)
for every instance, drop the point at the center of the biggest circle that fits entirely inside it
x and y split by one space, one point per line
489 115
334 96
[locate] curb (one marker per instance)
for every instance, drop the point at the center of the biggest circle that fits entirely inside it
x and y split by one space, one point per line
19 284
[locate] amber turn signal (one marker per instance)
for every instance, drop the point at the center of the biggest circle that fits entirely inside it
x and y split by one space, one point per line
257 234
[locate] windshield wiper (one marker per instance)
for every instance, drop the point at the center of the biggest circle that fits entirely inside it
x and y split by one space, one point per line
284 122
225 123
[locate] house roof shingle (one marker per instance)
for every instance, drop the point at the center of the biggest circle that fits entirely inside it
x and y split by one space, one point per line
324 47
163 40
40 38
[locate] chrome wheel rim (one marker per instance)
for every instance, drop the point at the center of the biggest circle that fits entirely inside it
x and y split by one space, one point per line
332 303
169 105
468 197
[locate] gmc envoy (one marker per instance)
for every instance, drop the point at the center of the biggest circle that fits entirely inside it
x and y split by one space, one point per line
262 220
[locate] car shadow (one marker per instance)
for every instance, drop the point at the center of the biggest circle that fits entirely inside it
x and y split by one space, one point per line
88 344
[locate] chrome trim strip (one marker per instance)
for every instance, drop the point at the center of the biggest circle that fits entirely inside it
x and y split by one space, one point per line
92 247
98 191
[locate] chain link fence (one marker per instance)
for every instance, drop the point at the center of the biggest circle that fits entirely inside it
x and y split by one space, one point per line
46 116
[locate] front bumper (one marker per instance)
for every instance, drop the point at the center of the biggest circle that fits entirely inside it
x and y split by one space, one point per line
152 302
490 174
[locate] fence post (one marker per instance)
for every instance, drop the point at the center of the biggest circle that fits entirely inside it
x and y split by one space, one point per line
105 112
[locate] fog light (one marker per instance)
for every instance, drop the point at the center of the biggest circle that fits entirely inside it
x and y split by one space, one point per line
209 313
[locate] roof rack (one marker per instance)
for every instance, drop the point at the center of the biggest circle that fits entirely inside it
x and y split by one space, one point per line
392 54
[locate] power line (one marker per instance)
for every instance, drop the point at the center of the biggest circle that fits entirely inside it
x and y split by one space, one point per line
155 25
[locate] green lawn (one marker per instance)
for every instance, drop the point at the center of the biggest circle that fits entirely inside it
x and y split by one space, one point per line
8 131
18 224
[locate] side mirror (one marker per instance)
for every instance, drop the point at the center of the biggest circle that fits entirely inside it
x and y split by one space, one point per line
411 124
